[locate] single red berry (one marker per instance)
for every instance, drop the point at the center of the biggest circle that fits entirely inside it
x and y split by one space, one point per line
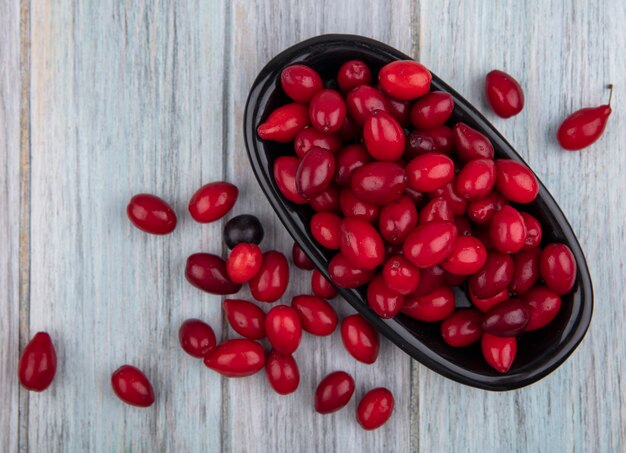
507 230
38 363
515 181
327 111
499 352
300 259
351 206
347 161
397 219
284 123
471 144
487 303
432 110
196 338
462 328
429 244
300 82
375 408
543 306
208 273
379 182
507 319
345 275
504 94
383 136
309 138
481 211
362 101
132 386
151 214
360 339
282 372
213 201
322 287
493 277
404 79
317 316
534 232
245 318
326 229
327 200
361 244
243 262
400 110
236 358
432 307
430 171
526 273
333 392
468 256
352 74
476 179
558 268
315 172
384 301
400 275
283 329
270 283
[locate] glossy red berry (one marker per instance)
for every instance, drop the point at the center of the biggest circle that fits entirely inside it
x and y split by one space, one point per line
362 101
507 230
443 137
404 79
499 352
196 338
361 244
420 142
327 111
327 200
270 283
322 287
543 306
481 211
315 172
243 262
317 316
462 328
515 181
375 408
326 230
507 319
282 372
300 259
283 329
352 74
471 144
300 82
285 168
383 300
347 161
429 244
351 206
437 209
378 182
38 363
432 307
493 277
208 273
486 304
333 392
397 220
558 268
468 256
284 123
245 318
504 94
400 110
132 386
309 138
584 127
400 275
151 214
526 273
360 339
213 201
383 136
476 179
236 358
432 110
430 171
431 278
534 232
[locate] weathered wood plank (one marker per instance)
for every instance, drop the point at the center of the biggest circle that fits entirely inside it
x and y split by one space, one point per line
10 96
259 419
563 56
126 98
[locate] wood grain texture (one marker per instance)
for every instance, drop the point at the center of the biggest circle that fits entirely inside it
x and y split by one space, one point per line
10 91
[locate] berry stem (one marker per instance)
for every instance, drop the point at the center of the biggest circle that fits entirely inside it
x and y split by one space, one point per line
610 87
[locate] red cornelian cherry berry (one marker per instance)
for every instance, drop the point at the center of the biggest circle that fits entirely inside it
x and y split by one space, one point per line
419 142
443 137
243 262
270 283
300 259
432 307
38 363
327 111
196 338
462 328
383 300
481 211
208 273
471 144
430 171
507 230
378 182
543 306
400 110
245 318
282 372
432 110
151 214
449 193
507 319
360 339
326 230
486 304
515 181
300 82
429 244
351 206
132 386
375 408
315 172
526 271
558 268
383 136
333 392
493 277
347 161
213 201
400 275
236 358
468 256
397 220
404 79
476 179
431 278
322 287
352 74
499 352
584 127
437 209
327 200
534 232
361 244
345 275
504 94
284 123
283 329
285 168
317 316
362 101
309 138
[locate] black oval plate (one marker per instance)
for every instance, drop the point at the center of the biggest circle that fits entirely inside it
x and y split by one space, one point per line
539 352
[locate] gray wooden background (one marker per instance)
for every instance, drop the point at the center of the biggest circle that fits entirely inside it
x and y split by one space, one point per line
103 99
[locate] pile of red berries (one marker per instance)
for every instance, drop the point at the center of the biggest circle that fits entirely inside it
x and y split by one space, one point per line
414 204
